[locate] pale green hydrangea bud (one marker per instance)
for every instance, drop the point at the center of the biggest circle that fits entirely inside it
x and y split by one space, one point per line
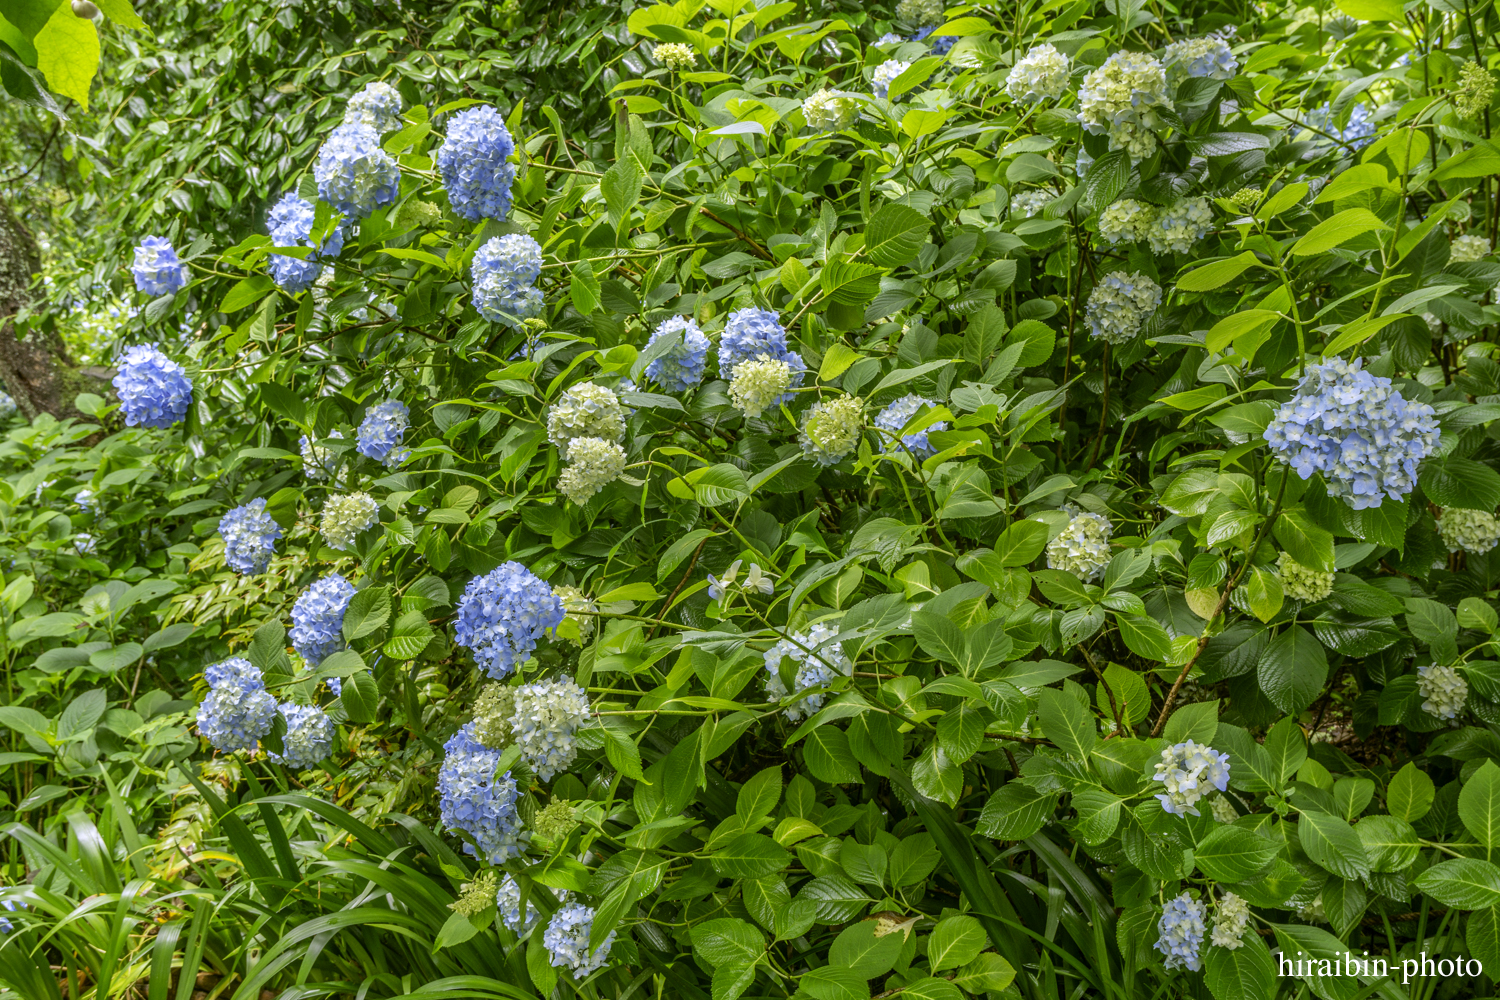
477 894
1443 690
579 608
830 110
1180 225
1126 221
1083 546
1223 811
1231 918
831 428
1468 248
493 711
1246 198
586 410
1040 75
344 517
1475 531
1476 88
676 56
554 821
758 384
593 464
1301 583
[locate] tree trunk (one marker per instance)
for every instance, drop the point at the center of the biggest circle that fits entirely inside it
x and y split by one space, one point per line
37 371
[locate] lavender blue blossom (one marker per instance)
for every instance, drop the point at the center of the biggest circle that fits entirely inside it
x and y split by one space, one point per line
885 75
380 433
567 940
319 462
1205 58
6 926
378 106
681 368
308 739
291 223
474 161
318 618
1358 134
820 660
757 335
238 710
234 670
1186 770
1182 929
896 416
508 899
474 800
940 46
157 269
154 390
505 272
502 614
1361 434
249 537
354 174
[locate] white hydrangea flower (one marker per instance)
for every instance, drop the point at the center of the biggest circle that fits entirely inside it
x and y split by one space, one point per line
675 56
593 464
1208 58
1474 531
1120 99
579 608
831 428
586 410
1231 918
819 661
1443 689
758 384
830 110
344 517
1083 546
1025 204
1313 912
1120 305
1126 221
1187 770
1040 75
1180 225
1223 811
548 714
886 73
319 462
378 105
1301 583
1468 248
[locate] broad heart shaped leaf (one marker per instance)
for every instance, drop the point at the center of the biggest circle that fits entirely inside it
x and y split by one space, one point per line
1460 482
1390 843
937 777
1233 853
1293 669
1410 793
1465 883
1244 973
1332 843
1479 806
1106 178
834 983
826 751
895 234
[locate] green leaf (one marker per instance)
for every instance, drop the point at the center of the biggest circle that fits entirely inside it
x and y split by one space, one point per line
1332 843
1067 723
368 611
1215 275
939 638
955 941
850 282
937 777
1198 721
1464 883
1106 178
1339 229
1015 812
1244 973
1391 843
584 289
246 292
1293 669
1145 636
1306 542
728 940
1021 543
759 795
1460 482
859 950
623 754
895 234
987 973
833 983
360 697
828 757
1288 749
1233 854
1479 806
409 637
67 53
1434 624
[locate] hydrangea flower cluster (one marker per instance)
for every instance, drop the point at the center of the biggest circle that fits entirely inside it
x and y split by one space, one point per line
1474 531
354 174
345 516
1120 99
1025 204
1126 221
508 896
238 710
1475 90
474 800
1206 58
554 820
580 608
681 368
494 710
920 12
474 161
1222 810
319 462
380 433
567 940
1359 133
1082 547
6 925
593 463
249 537
502 614
752 334
378 106
896 416
291 224
885 74
1301 583
831 429
505 273
585 410
1182 929
1464 249
675 56
157 268
760 384
1120 305
1351 426
154 390
1231 919
1443 691
1186 770
476 895
318 618
1040 75
309 736
755 579
819 660
547 717
830 110
1180 225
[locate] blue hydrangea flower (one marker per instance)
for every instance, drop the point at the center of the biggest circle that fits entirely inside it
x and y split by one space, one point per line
291 223
157 269
899 413
1360 131
474 800
1361 434
753 335
682 366
309 736
8 407
1206 58
502 614
567 940
474 160
1186 770
378 106
6 927
318 618
508 899
380 433
154 390
1182 929
354 174
238 710
940 46
505 272
249 537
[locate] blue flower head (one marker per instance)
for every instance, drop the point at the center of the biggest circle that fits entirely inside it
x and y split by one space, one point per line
567 940
474 160
502 614
1182 931
474 800
318 618
154 390
238 710
157 269
757 335
681 368
249 537
309 736
6 926
291 223
236 669
378 106
940 46
1360 131
505 272
899 414
354 174
380 433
